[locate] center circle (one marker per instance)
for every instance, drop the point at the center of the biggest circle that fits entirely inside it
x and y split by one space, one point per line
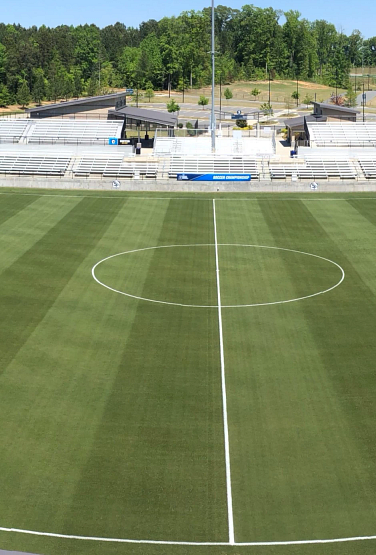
246 272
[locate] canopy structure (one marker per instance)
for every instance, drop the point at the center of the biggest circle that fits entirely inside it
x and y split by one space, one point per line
144 119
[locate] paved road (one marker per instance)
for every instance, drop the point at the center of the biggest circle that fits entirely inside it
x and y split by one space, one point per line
369 96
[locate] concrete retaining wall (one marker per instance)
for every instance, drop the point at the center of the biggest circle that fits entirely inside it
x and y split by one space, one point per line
169 185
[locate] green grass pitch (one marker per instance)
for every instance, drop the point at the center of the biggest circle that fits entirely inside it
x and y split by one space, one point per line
111 412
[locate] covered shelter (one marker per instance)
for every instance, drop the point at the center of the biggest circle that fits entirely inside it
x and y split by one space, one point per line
72 107
334 112
297 128
143 120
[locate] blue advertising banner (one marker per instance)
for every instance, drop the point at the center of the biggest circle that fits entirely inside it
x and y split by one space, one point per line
213 177
113 141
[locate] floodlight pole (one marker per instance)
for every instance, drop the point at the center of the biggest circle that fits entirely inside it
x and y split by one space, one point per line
213 81
364 101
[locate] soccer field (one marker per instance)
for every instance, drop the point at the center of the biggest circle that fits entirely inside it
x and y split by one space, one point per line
190 376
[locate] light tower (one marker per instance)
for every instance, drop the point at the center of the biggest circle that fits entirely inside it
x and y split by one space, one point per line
212 122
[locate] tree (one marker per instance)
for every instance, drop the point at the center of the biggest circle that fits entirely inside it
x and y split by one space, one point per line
23 94
255 92
307 99
203 101
267 109
172 106
93 86
351 97
338 100
228 94
39 88
295 95
149 93
77 84
68 86
4 96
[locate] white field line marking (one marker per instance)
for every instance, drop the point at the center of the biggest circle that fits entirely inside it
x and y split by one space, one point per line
224 395
221 245
167 542
114 197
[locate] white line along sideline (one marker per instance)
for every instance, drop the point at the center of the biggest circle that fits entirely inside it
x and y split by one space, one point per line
230 515
166 542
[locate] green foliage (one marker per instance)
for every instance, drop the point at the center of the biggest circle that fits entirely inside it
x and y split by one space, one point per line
172 106
266 108
351 97
308 99
241 123
251 42
203 101
93 86
295 95
149 93
255 92
39 88
23 95
228 94
4 96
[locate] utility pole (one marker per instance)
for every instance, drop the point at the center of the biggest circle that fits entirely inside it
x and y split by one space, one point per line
297 90
213 81
220 96
269 88
364 100
183 87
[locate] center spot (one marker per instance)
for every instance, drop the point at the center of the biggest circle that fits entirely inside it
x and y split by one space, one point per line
250 275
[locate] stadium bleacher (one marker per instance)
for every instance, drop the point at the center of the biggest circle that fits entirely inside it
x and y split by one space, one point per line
314 169
368 166
113 166
212 164
225 146
339 134
24 164
73 131
11 130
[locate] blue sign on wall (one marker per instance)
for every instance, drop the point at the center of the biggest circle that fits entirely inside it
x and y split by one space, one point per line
128 91
213 177
113 141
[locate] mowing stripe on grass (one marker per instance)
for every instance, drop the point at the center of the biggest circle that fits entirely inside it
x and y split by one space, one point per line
33 282
10 206
25 228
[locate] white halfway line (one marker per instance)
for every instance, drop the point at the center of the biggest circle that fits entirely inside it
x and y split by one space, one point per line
224 396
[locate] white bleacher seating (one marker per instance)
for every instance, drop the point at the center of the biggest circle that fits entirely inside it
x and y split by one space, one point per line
113 166
212 164
368 165
32 164
225 146
11 130
314 169
338 134
63 131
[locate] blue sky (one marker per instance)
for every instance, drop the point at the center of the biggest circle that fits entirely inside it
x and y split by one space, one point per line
345 14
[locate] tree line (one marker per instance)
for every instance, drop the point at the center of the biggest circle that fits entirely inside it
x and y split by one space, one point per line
251 43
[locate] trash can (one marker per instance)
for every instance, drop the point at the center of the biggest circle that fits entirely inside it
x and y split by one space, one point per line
138 148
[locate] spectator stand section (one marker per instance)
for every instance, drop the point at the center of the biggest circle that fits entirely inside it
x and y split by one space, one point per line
342 134
12 130
17 163
60 131
212 164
